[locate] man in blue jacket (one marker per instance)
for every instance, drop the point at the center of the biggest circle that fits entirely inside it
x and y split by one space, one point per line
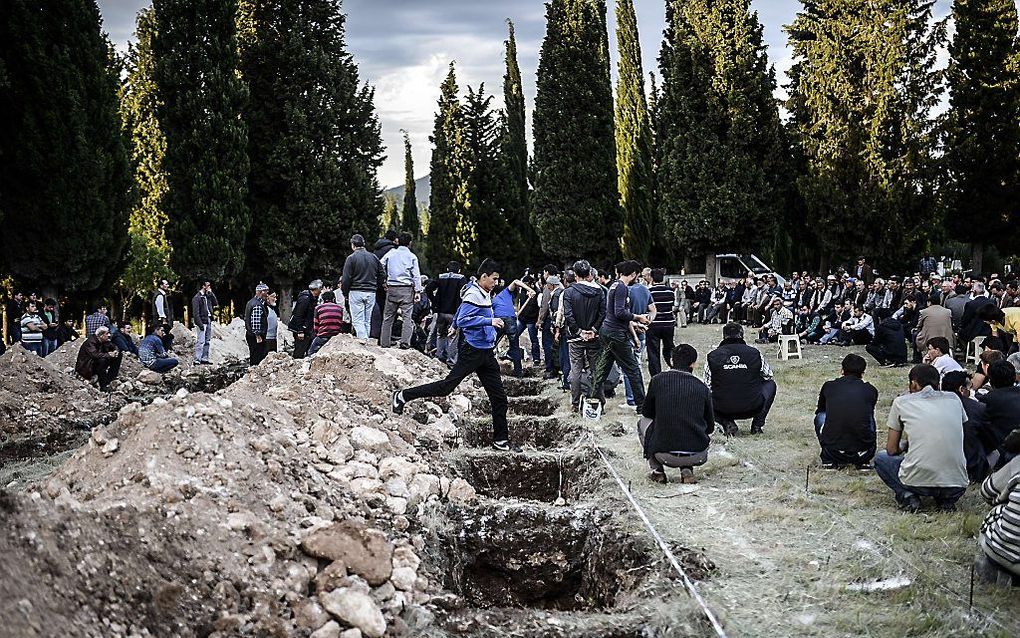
477 323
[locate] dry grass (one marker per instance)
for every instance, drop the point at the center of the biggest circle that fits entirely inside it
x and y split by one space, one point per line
786 556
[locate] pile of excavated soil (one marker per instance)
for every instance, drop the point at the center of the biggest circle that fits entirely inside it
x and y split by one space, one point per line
38 400
291 503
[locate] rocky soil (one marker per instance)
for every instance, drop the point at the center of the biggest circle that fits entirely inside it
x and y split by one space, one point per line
292 503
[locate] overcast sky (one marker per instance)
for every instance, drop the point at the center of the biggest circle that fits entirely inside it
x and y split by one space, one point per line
403 48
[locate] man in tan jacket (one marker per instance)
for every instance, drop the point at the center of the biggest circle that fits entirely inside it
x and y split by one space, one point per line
934 321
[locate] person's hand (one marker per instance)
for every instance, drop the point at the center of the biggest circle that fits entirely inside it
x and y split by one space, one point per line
643 320
451 332
587 335
259 339
497 323
300 335
417 297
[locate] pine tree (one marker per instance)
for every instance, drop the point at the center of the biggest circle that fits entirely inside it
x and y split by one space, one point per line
409 220
861 93
390 214
149 255
982 153
65 177
451 226
484 132
313 137
576 204
522 241
722 159
633 140
200 112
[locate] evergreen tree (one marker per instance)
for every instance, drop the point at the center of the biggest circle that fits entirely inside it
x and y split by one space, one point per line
721 154
409 220
65 177
451 227
313 137
522 240
390 214
861 92
576 204
484 132
633 140
149 255
982 152
200 112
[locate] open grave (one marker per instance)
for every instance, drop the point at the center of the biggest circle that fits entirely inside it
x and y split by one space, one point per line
538 432
541 476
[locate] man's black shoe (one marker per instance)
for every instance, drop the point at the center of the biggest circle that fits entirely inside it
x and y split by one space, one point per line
550 374
911 504
730 427
658 477
398 403
405 346
756 429
947 507
505 446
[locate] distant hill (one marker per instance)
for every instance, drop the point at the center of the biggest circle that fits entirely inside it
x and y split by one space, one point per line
422 189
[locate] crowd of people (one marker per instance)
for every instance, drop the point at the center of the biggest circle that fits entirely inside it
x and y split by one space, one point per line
589 330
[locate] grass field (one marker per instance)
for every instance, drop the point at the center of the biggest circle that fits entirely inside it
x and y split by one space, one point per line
791 561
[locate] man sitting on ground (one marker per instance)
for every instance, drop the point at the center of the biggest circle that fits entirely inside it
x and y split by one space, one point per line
977 421
845 417
1003 404
999 540
741 382
677 419
1005 322
940 355
930 461
859 330
152 353
889 347
99 358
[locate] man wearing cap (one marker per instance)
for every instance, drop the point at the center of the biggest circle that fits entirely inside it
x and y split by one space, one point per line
255 325
303 318
363 276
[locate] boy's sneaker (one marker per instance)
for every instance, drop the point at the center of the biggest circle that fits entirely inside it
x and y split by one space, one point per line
687 476
398 403
658 477
505 446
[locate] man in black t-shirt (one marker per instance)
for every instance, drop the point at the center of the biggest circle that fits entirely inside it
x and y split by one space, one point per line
845 418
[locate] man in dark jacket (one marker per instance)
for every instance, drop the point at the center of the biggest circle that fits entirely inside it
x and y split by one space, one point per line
163 312
678 419
845 417
741 382
971 326
584 310
614 337
889 347
256 325
1003 405
98 357
958 382
385 244
202 305
444 294
363 276
15 309
303 318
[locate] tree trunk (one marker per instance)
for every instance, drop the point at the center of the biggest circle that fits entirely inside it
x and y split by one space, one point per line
50 292
688 265
285 303
823 264
710 268
977 259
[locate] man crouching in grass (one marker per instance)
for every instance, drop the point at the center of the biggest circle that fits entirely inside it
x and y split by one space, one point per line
845 418
677 419
931 461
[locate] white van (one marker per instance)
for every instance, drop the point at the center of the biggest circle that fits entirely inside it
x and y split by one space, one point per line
732 267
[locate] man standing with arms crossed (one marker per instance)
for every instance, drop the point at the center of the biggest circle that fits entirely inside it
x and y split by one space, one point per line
477 355
201 309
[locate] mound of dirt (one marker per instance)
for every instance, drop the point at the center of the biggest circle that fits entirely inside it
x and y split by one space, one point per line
290 503
38 399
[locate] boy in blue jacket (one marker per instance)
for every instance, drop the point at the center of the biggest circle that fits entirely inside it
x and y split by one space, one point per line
476 355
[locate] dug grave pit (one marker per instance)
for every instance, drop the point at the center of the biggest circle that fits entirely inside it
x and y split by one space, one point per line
542 433
546 477
523 386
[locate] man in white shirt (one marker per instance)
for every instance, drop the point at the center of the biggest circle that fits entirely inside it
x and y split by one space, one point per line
940 354
403 290
924 450
859 330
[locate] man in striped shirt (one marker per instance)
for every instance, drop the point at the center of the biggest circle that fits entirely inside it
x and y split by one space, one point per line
329 316
660 334
1000 531
256 326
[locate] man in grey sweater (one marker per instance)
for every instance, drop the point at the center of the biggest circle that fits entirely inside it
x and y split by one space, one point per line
363 276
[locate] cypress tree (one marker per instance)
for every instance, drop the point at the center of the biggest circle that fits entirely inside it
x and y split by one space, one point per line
451 226
721 152
64 168
633 140
576 204
409 220
861 90
313 138
982 151
390 214
484 132
516 195
149 256
206 160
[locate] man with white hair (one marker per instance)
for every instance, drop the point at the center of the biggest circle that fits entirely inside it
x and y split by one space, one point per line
98 357
303 318
971 326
